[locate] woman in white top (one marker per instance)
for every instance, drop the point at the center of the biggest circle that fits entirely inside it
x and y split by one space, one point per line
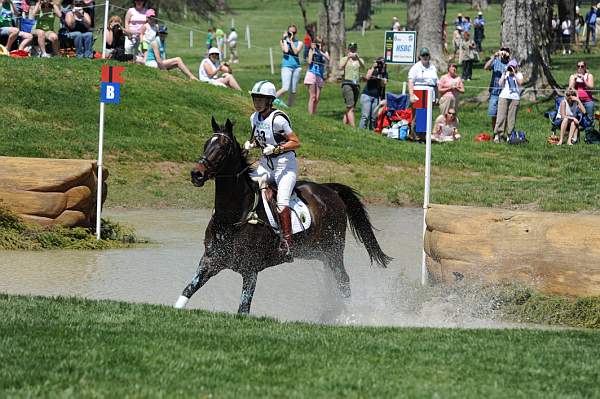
134 20
445 127
508 102
568 113
566 28
210 68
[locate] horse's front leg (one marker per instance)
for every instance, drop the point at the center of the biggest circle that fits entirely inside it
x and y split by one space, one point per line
248 286
203 274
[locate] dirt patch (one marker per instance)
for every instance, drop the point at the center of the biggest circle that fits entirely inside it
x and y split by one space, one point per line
171 169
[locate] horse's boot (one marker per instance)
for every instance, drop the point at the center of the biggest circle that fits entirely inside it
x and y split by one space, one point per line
285 221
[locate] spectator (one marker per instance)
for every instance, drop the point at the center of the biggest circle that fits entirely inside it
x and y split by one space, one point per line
115 40
307 45
457 38
373 94
479 25
583 83
590 20
423 73
157 56
79 23
232 43
351 64
467 24
90 8
459 21
315 74
45 12
210 68
395 24
556 33
467 56
445 127
290 65
568 113
7 12
508 103
497 64
148 31
135 18
566 28
579 25
220 36
449 87
210 38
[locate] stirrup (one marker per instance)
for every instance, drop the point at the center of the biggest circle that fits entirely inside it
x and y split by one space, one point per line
285 251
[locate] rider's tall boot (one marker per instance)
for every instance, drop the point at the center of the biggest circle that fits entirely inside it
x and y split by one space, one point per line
285 218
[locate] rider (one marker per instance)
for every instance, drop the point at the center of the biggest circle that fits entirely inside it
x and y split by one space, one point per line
272 132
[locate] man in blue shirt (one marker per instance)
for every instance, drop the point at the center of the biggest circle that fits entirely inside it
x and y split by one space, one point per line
590 20
497 64
479 35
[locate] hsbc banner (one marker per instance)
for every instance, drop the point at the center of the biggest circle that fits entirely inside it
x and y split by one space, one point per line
400 47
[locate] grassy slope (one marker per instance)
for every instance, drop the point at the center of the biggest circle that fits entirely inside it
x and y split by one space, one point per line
80 348
52 111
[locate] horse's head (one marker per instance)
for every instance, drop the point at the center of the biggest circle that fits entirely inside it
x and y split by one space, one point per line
217 150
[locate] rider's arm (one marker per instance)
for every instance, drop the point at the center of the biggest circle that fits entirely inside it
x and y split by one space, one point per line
292 143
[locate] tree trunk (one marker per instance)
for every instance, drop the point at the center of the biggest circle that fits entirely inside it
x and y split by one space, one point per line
431 31
334 32
363 13
526 32
413 12
479 5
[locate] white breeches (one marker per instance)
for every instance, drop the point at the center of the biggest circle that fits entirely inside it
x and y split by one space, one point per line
283 175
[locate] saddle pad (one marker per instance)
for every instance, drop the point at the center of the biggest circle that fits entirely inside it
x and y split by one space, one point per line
301 219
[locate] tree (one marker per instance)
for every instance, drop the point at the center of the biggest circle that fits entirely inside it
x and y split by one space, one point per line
526 31
479 5
413 12
566 11
363 13
431 31
333 31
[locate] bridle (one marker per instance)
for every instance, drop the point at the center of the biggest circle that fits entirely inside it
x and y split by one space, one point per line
211 170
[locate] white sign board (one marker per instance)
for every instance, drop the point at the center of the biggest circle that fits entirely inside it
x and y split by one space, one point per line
400 47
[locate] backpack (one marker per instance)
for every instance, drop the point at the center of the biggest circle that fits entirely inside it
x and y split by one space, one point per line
517 138
592 136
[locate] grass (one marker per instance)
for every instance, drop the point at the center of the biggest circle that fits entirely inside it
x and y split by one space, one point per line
59 347
159 129
15 234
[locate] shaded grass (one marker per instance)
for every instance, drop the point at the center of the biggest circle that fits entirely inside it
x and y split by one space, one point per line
15 234
81 348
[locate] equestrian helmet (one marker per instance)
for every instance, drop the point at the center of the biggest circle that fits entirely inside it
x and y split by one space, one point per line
264 88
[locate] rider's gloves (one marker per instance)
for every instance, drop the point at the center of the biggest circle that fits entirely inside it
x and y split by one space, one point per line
248 145
271 150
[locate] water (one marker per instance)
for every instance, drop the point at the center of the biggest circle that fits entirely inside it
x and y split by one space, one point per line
301 291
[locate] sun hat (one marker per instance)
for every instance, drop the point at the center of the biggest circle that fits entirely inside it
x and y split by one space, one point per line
150 13
163 29
513 63
479 13
214 50
424 51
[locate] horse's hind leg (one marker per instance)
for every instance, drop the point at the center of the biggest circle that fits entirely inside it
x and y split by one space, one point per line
335 261
248 287
203 274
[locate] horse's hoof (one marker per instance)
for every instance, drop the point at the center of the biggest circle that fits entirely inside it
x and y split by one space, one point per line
181 302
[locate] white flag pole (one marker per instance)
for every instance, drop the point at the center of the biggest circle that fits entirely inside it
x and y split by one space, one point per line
99 190
106 27
271 60
430 94
248 35
191 39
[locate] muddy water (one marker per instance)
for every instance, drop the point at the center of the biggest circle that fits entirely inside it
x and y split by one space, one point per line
303 290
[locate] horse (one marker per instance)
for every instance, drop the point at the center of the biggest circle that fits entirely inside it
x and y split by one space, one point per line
239 238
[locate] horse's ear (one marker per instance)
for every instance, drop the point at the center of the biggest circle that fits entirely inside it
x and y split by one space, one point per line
215 126
229 127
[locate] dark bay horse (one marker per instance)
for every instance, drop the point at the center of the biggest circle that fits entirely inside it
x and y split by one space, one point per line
239 237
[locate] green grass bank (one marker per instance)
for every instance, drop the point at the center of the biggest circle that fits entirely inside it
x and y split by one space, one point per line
81 348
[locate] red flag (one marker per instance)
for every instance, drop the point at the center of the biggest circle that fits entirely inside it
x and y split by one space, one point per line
112 74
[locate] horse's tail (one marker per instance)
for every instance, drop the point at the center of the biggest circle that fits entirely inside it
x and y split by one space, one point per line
360 223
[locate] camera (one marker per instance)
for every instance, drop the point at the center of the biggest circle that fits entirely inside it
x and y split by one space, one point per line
510 69
290 34
318 46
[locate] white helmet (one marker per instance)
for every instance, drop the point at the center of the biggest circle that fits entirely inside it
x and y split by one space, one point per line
264 88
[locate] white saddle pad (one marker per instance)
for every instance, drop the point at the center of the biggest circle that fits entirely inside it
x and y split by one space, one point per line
301 219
